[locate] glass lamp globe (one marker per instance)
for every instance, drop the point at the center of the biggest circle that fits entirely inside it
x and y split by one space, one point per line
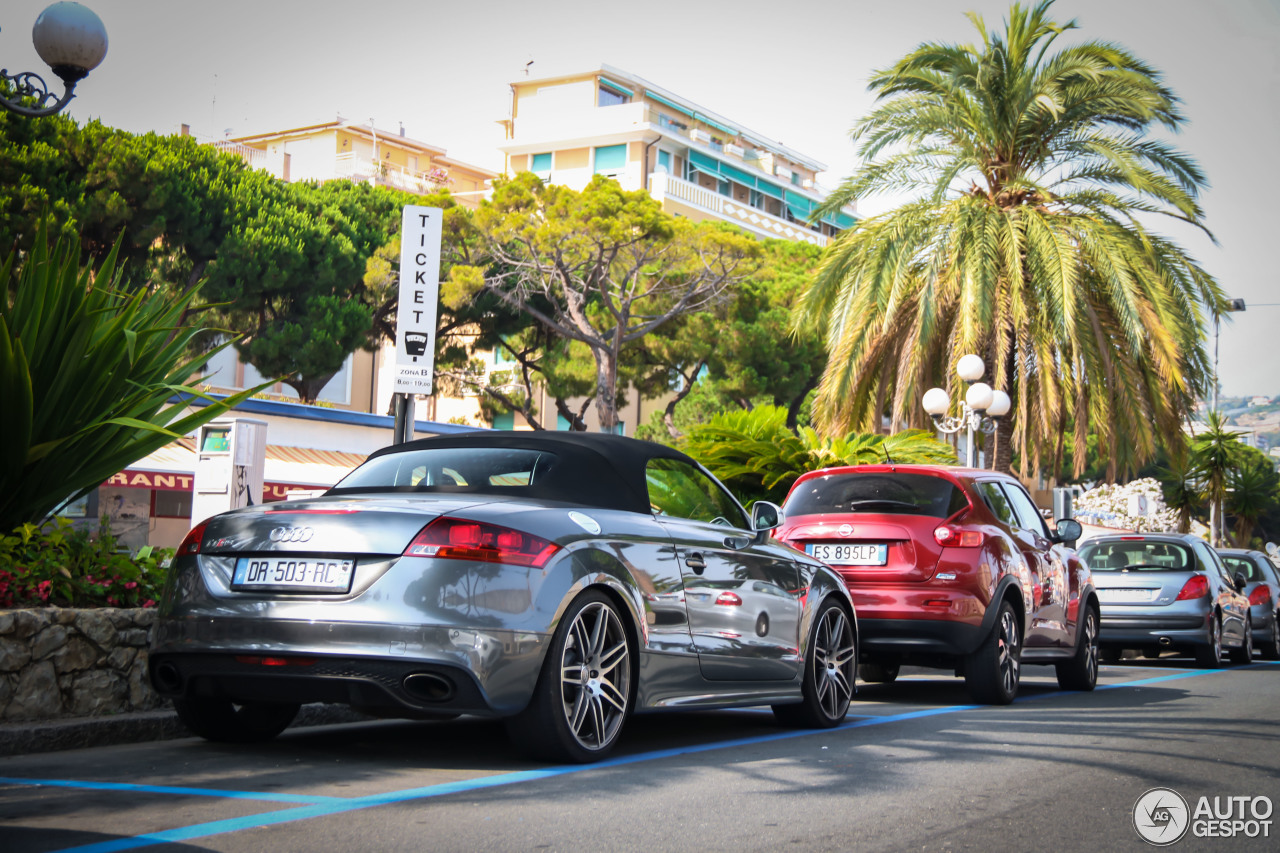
70 39
936 401
979 396
1000 404
970 367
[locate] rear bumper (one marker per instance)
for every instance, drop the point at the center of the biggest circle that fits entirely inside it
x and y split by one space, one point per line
1137 631
360 664
917 636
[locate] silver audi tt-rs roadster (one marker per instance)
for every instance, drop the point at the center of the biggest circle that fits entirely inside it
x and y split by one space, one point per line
539 577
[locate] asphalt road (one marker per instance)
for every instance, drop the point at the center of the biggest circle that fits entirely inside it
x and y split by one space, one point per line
914 768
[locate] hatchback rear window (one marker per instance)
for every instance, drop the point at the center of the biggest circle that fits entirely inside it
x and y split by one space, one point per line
882 494
1138 556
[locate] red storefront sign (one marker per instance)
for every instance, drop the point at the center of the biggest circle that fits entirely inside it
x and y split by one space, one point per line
173 482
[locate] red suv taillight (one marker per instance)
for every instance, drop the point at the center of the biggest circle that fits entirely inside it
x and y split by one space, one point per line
191 542
1197 586
729 599
455 539
1261 594
950 536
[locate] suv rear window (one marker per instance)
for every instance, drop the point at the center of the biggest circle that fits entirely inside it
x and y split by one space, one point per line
1138 557
882 494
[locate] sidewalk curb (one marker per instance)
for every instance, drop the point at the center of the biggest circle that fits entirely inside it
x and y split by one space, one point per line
25 738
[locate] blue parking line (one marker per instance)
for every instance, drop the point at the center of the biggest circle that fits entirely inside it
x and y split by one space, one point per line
166 789
322 807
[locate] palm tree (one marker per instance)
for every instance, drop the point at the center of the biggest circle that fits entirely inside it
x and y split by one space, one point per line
1217 451
758 456
1028 243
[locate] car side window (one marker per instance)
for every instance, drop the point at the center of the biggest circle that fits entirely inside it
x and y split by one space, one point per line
1029 517
1209 559
997 501
678 489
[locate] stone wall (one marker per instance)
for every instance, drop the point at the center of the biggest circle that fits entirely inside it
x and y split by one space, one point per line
60 662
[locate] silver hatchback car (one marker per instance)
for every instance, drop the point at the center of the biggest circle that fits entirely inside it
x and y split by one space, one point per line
1263 592
1168 592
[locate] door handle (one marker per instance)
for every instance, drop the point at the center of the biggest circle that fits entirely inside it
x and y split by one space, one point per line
695 562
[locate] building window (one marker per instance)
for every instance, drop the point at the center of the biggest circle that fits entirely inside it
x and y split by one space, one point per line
795 178
611 158
540 165
610 97
664 162
167 504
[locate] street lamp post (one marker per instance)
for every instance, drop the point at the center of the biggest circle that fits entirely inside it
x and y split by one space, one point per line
1216 515
72 41
980 411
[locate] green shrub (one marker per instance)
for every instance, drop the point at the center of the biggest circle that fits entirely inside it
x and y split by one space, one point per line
56 565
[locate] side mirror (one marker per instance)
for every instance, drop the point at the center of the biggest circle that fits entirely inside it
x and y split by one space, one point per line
765 516
1241 581
1069 531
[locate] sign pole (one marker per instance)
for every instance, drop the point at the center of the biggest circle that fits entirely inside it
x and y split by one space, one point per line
420 234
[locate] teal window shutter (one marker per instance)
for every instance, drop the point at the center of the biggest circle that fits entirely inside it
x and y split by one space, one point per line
611 158
506 420
541 163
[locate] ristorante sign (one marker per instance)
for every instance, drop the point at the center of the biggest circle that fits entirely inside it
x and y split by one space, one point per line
169 481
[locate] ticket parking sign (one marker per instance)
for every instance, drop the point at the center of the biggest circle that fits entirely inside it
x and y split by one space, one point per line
420 229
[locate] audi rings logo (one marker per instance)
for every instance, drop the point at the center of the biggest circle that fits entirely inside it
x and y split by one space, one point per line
1161 816
291 534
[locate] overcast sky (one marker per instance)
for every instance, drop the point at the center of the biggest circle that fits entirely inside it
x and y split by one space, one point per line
792 71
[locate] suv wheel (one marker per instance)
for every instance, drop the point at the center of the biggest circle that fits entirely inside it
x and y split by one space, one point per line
875 672
1081 672
991 672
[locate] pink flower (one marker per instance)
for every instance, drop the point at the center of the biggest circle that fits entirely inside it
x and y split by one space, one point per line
150 602
131 585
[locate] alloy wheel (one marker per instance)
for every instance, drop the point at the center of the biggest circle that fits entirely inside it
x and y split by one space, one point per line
595 676
1009 659
833 662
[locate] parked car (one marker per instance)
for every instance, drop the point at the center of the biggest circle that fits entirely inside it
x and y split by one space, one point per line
510 575
1168 591
952 568
1262 589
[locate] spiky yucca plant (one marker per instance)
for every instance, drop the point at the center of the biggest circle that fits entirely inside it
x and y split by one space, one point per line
88 376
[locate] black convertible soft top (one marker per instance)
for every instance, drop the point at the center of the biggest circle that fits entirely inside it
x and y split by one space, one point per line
593 469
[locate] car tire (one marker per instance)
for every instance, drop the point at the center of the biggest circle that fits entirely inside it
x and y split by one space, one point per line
1081 672
830 672
992 671
224 721
1244 654
1209 656
583 695
762 624
1271 650
876 672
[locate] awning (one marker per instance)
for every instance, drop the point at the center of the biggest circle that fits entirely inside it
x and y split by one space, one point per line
669 103
712 166
617 87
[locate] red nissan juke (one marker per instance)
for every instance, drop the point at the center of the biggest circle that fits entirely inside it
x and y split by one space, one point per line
952 568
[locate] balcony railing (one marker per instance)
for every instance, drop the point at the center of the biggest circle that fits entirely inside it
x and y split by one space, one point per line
663 186
388 174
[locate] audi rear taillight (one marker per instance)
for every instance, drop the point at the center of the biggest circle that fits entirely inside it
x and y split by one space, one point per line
1197 586
456 539
729 599
191 542
1261 594
950 536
